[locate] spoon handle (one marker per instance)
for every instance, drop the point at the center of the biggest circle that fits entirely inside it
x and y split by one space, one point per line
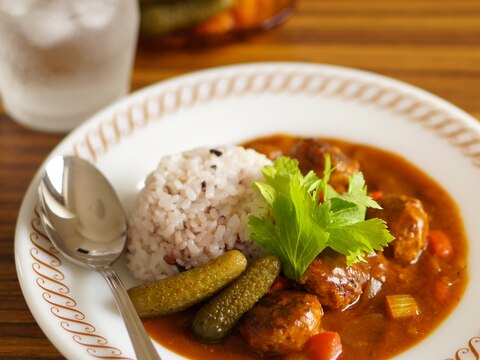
141 342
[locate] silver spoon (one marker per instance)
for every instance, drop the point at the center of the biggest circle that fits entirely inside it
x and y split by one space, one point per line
84 219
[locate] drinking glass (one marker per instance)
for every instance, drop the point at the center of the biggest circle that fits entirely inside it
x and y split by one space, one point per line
63 60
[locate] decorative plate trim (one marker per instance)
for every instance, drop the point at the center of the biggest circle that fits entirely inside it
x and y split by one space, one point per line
123 124
472 349
46 265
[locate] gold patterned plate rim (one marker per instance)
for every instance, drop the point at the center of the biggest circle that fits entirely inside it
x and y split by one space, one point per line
228 105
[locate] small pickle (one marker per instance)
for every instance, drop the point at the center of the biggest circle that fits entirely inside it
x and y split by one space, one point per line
183 290
218 318
162 17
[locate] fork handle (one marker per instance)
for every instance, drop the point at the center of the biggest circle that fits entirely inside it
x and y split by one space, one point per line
141 342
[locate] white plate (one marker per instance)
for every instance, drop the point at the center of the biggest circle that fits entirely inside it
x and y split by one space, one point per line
230 105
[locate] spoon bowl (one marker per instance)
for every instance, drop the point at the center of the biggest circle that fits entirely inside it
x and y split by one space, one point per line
84 211
84 219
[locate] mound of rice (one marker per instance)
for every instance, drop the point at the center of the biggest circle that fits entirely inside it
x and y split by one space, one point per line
193 208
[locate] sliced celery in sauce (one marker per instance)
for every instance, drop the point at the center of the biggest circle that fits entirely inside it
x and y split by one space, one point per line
402 306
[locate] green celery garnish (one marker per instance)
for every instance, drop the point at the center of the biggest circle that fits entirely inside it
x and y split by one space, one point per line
301 224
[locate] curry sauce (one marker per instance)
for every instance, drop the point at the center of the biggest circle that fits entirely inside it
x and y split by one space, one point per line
366 330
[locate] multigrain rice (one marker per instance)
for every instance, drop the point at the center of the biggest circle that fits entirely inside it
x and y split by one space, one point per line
193 208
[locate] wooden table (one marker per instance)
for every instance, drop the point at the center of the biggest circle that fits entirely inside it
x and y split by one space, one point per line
433 44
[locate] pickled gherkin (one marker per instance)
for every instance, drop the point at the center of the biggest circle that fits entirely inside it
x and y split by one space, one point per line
162 17
185 289
218 317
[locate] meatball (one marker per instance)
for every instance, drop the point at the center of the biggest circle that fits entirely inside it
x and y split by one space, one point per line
310 154
334 283
282 322
408 223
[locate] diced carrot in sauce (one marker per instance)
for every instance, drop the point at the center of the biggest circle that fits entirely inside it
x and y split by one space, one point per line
375 195
440 244
217 25
323 346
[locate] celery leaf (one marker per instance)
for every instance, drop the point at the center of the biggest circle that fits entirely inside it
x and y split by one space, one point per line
307 215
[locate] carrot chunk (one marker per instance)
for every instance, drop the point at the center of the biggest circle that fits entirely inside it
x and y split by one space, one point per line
375 195
324 346
440 244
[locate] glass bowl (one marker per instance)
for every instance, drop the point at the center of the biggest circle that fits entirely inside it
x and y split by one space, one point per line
240 20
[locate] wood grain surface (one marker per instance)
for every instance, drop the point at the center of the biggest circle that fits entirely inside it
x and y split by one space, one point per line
433 44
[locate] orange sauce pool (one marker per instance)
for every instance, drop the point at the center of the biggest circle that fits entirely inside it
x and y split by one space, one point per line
173 332
365 331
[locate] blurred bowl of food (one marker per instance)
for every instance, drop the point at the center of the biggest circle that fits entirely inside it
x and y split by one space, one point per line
196 23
